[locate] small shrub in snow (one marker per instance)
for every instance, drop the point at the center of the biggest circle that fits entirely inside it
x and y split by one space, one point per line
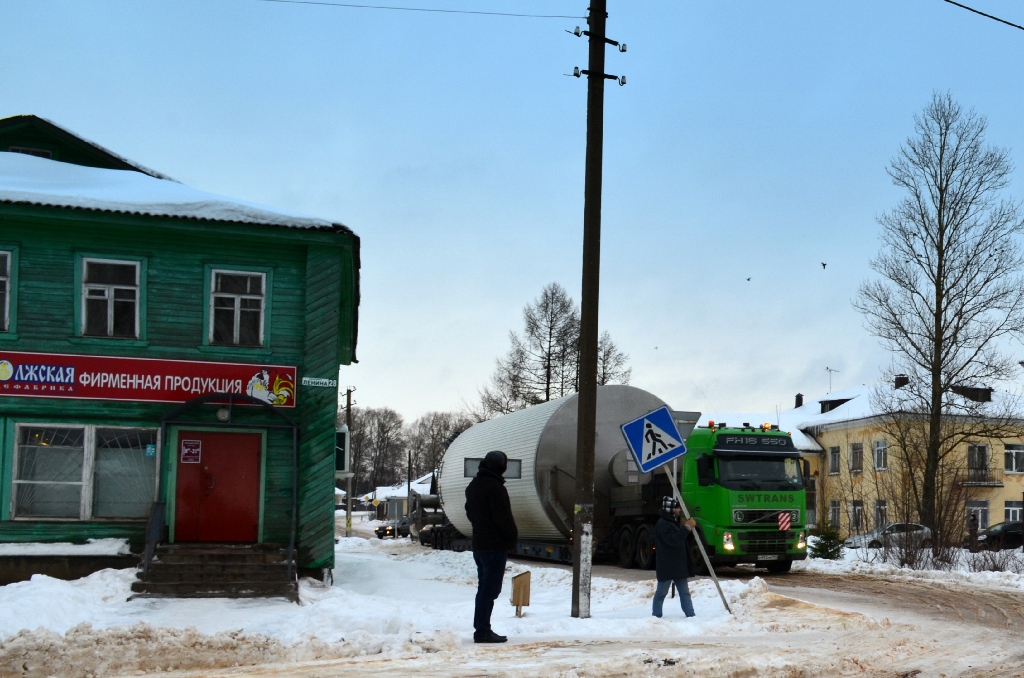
826 543
995 561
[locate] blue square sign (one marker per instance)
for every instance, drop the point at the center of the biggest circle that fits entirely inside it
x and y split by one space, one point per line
654 439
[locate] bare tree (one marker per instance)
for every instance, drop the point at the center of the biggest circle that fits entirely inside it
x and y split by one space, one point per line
543 362
949 292
429 436
509 389
378 447
611 362
549 344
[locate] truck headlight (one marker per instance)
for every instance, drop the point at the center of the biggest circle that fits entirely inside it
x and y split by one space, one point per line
801 540
727 541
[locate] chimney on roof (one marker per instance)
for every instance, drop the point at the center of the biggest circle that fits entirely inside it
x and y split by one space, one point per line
799 399
901 380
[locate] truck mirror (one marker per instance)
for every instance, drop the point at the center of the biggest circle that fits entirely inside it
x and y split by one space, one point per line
807 471
705 471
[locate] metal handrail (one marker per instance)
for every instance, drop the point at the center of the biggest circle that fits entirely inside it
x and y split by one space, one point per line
154 530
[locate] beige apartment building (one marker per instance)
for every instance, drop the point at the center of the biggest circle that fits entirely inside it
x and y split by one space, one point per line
856 479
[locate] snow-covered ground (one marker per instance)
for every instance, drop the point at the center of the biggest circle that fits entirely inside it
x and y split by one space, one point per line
967 568
397 608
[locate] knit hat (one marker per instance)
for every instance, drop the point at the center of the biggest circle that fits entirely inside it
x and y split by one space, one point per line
495 461
669 504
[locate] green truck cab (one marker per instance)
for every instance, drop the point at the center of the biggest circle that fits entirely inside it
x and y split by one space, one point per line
739 484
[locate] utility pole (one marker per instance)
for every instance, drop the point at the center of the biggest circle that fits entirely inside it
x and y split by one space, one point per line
583 520
348 481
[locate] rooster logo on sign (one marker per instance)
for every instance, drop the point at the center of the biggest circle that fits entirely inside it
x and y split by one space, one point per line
278 393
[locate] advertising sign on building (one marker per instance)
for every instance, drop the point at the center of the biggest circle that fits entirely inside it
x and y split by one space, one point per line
58 375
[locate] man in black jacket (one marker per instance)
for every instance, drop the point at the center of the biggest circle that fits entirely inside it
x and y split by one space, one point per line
494 534
673 561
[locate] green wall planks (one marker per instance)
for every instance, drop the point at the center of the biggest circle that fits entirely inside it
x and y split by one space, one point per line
311 323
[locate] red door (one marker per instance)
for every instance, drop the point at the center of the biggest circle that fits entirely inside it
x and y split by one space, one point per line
217 496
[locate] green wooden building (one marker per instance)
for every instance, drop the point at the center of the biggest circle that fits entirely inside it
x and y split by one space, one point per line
162 346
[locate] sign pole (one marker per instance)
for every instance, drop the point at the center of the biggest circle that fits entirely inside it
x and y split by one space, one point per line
696 537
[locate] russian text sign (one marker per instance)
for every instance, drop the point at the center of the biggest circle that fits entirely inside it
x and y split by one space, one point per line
191 451
59 375
654 439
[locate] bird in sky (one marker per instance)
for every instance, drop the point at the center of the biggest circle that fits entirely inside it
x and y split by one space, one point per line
748 279
823 265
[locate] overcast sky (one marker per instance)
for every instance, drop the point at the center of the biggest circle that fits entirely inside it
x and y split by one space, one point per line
750 143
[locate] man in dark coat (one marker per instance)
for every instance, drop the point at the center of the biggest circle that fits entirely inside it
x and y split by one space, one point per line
494 535
673 561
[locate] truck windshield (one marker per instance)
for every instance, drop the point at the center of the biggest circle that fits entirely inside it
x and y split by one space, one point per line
768 472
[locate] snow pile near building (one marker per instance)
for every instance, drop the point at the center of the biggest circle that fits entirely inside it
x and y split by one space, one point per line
92 547
389 598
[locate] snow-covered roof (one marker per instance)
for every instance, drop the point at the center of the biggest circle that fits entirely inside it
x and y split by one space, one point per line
419 485
29 180
857 406
61 131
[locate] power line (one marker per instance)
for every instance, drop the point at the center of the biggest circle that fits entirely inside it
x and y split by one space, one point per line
987 16
350 5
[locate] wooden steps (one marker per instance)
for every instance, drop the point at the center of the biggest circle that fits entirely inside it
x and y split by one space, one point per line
217 571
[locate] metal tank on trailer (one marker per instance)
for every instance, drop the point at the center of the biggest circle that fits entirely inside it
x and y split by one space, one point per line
540 442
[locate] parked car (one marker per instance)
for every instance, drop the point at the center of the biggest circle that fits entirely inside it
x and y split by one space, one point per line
891 535
393 528
1008 535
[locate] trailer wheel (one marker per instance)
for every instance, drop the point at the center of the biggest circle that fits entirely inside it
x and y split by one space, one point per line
644 548
627 547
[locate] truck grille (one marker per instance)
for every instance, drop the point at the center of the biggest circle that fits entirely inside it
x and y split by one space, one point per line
765 542
762 516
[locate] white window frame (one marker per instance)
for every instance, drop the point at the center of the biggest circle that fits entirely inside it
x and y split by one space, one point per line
984 510
1010 452
1014 512
881 511
88 480
859 448
8 288
880 449
837 468
263 305
857 515
110 295
835 510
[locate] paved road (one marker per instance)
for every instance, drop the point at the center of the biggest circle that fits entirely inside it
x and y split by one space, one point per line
873 595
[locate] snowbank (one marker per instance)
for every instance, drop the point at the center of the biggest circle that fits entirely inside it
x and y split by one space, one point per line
93 547
389 597
962 570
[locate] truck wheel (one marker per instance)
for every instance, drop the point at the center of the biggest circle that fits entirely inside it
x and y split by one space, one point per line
781 567
627 548
644 548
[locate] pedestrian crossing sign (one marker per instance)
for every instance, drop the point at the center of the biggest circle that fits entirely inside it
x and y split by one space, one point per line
654 439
